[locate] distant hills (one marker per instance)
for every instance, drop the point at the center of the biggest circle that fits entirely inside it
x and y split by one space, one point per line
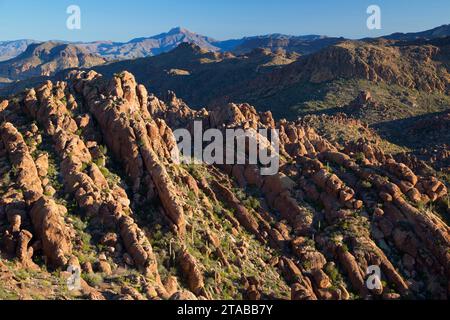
276 72
202 70
299 44
151 46
439 32
202 78
11 49
45 59
197 74
165 42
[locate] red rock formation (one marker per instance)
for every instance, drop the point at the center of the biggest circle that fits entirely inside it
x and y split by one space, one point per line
22 162
47 219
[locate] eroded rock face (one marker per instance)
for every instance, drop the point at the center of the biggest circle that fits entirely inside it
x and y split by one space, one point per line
388 62
312 179
85 181
183 296
23 251
318 224
137 245
190 268
22 163
48 223
144 146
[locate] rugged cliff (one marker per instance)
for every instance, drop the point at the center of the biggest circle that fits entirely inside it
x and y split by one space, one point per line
89 179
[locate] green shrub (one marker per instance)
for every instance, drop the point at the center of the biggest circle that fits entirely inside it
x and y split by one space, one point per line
366 184
85 166
360 157
252 202
94 280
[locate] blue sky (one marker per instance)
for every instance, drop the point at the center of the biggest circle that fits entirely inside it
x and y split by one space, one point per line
221 19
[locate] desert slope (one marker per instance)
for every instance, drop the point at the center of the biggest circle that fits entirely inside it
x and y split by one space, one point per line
88 178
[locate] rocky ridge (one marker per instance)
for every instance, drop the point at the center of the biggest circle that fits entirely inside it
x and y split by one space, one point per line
89 179
46 59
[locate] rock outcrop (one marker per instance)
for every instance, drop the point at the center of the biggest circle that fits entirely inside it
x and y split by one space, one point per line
50 229
97 179
22 163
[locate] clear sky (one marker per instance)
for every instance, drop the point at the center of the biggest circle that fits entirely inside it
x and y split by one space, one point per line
122 20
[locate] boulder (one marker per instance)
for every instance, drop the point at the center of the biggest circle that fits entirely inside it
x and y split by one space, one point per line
21 160
48 223
191 271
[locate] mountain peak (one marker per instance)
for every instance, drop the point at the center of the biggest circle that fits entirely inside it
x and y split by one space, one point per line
178 30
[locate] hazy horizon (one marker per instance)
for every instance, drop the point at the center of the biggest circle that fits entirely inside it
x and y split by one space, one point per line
102 20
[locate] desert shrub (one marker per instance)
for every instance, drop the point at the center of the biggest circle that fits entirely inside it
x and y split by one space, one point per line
360 157
94 280
366 184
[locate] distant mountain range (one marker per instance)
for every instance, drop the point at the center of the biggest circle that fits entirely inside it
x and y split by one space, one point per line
151 46
219 65
197 74
439 32
11 49
204 78
45 59
165 42
299 44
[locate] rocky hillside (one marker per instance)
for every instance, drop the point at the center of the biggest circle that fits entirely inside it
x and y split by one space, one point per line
46 59
279 81
11 49
197 74
88 179
422 67
407 81
150 46
302 45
